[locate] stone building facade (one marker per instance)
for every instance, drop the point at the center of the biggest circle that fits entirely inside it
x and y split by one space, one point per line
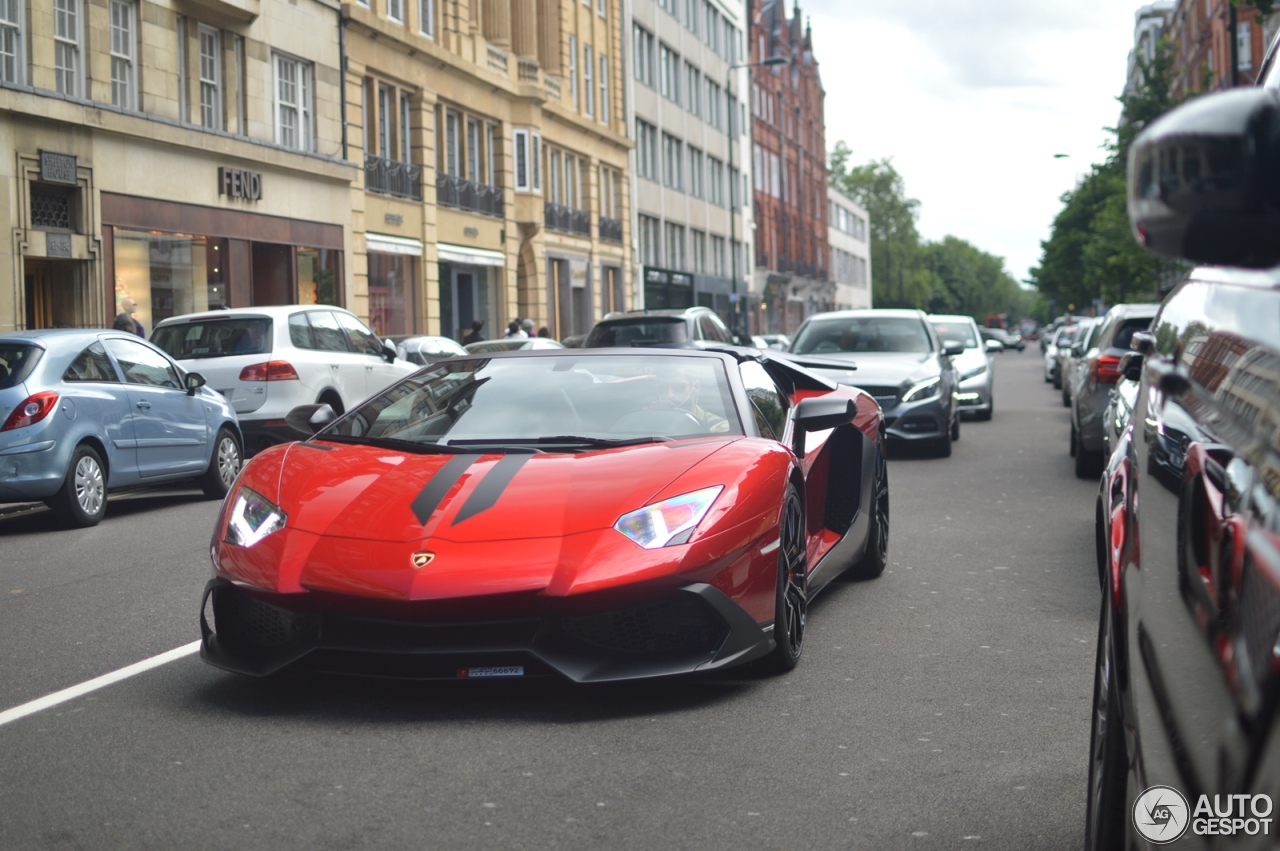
692 220
849 237
185 155
789 169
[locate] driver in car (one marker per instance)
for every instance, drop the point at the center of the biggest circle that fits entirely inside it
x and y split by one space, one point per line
677 391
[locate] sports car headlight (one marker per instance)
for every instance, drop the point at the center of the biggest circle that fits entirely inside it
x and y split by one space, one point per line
927 389
669 522
252 519
973 373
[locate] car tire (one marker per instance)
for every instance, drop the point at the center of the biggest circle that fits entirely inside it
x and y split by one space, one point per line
986 413
1105 808
82 500
791 600
1057 380
955 427
942 445
875 556
1074 442
224 465
1066 398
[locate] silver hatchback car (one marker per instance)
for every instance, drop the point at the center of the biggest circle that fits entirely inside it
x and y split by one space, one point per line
84 412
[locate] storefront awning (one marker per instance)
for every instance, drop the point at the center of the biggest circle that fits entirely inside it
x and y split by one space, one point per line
384 244
470 256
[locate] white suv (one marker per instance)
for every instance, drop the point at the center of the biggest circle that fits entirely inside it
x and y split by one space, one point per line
267 360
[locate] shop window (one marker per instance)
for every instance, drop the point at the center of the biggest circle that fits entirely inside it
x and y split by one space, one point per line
168 274
391 302
319 275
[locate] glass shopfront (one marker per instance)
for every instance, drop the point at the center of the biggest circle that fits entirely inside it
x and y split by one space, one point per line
168 274
391 298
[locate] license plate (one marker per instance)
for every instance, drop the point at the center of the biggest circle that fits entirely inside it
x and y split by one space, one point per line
493 671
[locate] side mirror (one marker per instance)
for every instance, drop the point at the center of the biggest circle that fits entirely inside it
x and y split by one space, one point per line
194 381
1130 366
309 419
388 352
818 413
995 346
1077 351
1203 181
953 348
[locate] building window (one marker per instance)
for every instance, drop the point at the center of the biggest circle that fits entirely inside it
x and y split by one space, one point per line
427 18
644 56
384 121
395 11
528 149
696 169
602 6
691 14
646 150
183 113
12 62
211 78
1244 46
66 46
717 256
669 73
693 80
698 248
242 95
293 103
573 69
649 241
716 190
712 109
604 89
673 236
406 149
672 157
122 52
588 79
452 142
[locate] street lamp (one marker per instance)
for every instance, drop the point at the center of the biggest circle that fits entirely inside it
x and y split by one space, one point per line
771 62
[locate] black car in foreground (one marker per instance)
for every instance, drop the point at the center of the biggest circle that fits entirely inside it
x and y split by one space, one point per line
1185 738
897 357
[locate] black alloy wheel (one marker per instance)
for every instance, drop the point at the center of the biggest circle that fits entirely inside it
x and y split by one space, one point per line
791 607
876 556
1109 763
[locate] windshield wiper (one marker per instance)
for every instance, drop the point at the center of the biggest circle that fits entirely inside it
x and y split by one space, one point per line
392 443
562 440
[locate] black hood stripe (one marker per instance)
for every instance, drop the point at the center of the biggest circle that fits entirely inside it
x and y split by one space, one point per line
433 492
491 486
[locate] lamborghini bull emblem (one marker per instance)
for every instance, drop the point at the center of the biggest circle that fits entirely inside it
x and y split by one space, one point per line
422 559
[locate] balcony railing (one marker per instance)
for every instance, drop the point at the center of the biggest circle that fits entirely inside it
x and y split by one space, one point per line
561 218
388 177
455 191
527 70
610 229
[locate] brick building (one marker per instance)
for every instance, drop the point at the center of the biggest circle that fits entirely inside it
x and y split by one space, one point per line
1201 33
789 173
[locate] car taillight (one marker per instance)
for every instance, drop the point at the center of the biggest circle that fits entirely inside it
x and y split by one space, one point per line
31 410
1106 369
276 370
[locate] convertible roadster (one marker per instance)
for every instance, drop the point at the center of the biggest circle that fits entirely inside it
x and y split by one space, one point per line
601 514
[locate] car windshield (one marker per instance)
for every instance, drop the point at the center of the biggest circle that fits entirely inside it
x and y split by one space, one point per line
862 334
956 332
570 402
16 362
639 332
215 338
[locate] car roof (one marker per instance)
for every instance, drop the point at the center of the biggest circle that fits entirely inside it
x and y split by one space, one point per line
672 312
269 311
951 317
1149 310
60 339
901 313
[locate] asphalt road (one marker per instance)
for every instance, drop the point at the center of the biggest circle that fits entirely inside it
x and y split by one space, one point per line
944 705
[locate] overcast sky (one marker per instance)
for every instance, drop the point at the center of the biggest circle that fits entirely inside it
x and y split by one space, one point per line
971 99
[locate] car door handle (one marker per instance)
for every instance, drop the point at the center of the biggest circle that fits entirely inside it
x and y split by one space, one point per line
144 405
368 369
333 366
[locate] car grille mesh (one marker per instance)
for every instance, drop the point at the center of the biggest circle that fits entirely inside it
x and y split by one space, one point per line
886 397
680 625
239 618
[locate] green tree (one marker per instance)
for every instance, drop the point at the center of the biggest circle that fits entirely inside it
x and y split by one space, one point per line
898 274
970 281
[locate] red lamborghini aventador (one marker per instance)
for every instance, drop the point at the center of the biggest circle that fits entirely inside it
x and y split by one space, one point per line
598 514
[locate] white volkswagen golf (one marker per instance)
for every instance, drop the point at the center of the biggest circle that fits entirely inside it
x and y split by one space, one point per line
268 360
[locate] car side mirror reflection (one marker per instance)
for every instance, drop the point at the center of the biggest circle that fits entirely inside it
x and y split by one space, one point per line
1143 342
1130 366
952 348
388 352
194 382
309 419
1202 181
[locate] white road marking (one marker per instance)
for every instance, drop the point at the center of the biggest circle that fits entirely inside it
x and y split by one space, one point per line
96 683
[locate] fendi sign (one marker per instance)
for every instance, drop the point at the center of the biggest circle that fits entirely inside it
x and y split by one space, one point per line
239 183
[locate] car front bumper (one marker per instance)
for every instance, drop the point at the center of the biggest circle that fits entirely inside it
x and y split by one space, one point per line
975 393
600 638
925 420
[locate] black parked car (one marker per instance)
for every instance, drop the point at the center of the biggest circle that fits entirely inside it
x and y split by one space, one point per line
687 326
1187 690
896 356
